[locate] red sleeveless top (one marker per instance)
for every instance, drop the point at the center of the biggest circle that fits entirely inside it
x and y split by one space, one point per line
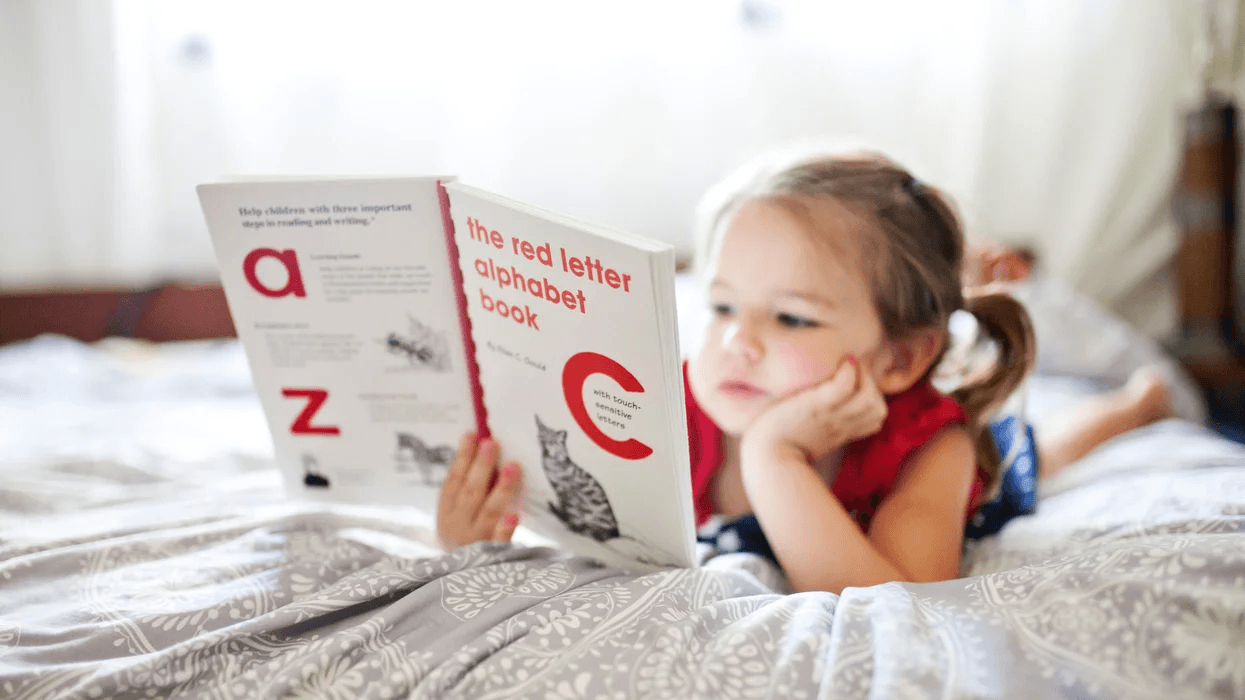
870 466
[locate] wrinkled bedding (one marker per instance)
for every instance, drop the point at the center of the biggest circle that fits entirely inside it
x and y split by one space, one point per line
146 550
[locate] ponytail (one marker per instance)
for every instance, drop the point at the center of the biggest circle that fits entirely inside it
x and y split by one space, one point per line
1003 319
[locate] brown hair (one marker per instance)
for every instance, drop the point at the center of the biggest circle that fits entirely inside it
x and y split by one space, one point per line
917 253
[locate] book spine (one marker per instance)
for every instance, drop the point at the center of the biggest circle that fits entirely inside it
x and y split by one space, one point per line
464 321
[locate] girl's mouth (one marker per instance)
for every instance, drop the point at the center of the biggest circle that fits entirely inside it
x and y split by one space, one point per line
740 390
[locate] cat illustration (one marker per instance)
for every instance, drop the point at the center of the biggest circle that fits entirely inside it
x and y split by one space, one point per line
425 457
582 504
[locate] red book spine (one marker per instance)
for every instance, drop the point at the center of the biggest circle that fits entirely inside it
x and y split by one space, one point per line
464 322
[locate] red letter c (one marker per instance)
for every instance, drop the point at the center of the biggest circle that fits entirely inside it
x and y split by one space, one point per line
574 374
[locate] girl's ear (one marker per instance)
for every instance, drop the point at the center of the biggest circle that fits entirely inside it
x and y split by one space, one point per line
907 359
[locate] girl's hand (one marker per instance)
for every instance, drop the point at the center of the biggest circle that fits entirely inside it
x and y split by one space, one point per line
822 418
468 509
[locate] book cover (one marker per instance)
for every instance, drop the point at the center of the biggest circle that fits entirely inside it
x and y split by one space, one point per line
384 317
577 347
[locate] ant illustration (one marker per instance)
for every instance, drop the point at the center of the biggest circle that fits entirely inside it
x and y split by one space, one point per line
413 351
423 347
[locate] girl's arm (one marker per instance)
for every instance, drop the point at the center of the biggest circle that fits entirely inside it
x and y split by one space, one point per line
915 535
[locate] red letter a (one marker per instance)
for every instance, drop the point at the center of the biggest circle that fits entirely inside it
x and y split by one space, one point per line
294 284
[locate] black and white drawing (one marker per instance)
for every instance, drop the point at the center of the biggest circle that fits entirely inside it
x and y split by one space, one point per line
421 346
312 478
432 462
583 505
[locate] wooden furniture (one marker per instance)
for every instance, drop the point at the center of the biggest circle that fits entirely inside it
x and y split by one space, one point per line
164 313
1203 203
1205 206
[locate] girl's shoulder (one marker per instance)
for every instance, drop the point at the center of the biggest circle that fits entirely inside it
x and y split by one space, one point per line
920 413
871 466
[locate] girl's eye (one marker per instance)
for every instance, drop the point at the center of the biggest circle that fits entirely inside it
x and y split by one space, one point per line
793 321
722 309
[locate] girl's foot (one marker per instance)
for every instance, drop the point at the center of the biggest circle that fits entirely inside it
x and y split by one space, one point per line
1147 395
1143 400
990 262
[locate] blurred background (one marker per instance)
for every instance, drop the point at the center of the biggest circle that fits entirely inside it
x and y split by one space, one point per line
1100 134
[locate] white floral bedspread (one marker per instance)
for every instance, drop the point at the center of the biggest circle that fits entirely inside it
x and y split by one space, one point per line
146 551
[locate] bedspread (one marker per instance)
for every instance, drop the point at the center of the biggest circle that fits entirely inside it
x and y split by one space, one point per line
146 551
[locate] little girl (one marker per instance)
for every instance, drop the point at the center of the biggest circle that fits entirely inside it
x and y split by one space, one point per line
814 428
832 282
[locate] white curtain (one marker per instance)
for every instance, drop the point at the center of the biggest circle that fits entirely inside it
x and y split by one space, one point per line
1057 123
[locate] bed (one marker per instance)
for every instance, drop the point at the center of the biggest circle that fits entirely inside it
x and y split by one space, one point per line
146 550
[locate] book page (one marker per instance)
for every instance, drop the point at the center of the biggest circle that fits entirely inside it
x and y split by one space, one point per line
580 381
342 293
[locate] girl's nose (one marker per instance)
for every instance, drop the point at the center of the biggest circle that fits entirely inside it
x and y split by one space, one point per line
740 339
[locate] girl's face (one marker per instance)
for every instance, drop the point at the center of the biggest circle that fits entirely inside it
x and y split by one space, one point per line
786 311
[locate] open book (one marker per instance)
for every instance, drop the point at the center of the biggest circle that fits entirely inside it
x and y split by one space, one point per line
383 318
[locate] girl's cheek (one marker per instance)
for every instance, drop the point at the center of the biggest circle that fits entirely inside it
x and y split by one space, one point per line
699 368
700 373
805 366
707 342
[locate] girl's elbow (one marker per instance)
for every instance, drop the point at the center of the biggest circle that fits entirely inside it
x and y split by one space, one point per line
889 573
859 578
930 574
800 586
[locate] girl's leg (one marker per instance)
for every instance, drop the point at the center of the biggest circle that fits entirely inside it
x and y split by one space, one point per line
1140 402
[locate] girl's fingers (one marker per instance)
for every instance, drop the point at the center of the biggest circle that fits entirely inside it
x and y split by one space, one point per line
840 388
875 402
851 400
864 413
505 527
462 458
502 495
865 382
868 421
864 388
479 475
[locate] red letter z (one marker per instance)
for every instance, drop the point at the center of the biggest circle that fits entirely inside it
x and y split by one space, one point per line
302 424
